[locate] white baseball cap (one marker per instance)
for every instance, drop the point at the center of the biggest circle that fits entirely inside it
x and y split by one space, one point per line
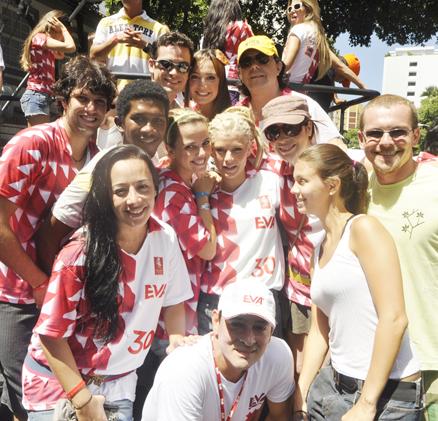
247 296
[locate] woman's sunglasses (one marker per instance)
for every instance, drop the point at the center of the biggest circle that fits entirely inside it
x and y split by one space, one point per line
295 6
273 132
247 61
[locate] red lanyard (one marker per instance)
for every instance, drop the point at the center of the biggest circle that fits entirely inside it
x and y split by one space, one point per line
221 392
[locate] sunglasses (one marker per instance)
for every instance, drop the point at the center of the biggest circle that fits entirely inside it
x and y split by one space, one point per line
168 65
395 134
296 6
247 61
272 133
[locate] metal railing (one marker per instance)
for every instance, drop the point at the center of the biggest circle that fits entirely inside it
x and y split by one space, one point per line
365 94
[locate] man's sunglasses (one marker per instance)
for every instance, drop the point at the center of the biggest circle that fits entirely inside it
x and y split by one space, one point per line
296 6
272 133
168 65
395 134
247 61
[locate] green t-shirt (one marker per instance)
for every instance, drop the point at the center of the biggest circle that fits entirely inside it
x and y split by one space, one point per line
409 211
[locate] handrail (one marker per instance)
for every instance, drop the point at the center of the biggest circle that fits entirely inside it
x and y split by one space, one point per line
366 94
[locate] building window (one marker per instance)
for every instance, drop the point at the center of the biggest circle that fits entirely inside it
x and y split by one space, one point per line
411 83
413 64
412 73
411 93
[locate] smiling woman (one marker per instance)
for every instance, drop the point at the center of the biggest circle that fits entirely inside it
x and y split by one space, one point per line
183 198
249 244
290 130
207 88
97 323
306 47
358 310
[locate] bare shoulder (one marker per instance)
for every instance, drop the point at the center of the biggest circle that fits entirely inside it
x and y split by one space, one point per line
365 223
367 231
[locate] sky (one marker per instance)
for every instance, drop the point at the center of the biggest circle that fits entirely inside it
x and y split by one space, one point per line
371 59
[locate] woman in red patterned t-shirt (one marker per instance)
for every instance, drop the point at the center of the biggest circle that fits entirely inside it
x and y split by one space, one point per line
48 41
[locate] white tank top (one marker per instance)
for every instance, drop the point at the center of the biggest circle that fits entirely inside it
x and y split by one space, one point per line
341 291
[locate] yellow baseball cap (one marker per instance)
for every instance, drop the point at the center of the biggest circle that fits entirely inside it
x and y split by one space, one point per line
259 42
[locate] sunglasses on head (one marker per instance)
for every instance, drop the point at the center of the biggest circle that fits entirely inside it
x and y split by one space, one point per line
394 133
247 61
168 65
273 132
295 6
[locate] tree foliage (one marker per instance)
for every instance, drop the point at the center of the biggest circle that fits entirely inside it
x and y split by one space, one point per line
394 21
430 91
428 112
352 137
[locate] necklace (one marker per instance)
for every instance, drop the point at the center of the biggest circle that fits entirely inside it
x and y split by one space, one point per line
221 392
83 156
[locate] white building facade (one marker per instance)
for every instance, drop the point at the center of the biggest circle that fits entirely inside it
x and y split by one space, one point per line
409 71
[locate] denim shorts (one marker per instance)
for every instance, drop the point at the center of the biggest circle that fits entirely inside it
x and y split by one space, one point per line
325 402
125 412
35 103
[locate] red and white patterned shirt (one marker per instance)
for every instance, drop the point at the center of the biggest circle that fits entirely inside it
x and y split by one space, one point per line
310 235
248 240
42 72
176 205
155 277
237 32
35 168
426 157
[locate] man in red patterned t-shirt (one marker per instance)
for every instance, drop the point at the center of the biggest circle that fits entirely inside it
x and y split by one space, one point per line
36 166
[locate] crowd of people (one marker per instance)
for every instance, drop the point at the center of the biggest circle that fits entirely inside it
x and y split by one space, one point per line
235 215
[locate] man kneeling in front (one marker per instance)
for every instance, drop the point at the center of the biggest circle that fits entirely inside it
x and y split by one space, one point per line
230 372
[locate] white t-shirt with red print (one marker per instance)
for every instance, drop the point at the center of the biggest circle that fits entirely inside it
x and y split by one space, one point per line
310 235
35 168
186 384
175 204
248 239
155 277
306 60
42 72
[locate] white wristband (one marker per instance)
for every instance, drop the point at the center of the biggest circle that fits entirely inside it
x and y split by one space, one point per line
205 206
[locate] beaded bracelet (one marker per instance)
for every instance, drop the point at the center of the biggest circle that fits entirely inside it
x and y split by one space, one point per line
116 39
76 389
43 285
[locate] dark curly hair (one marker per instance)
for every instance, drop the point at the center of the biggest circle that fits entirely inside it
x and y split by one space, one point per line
83 73
140 90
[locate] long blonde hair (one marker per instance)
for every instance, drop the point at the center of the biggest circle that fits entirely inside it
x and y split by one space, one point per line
44 27
314 17
241 121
